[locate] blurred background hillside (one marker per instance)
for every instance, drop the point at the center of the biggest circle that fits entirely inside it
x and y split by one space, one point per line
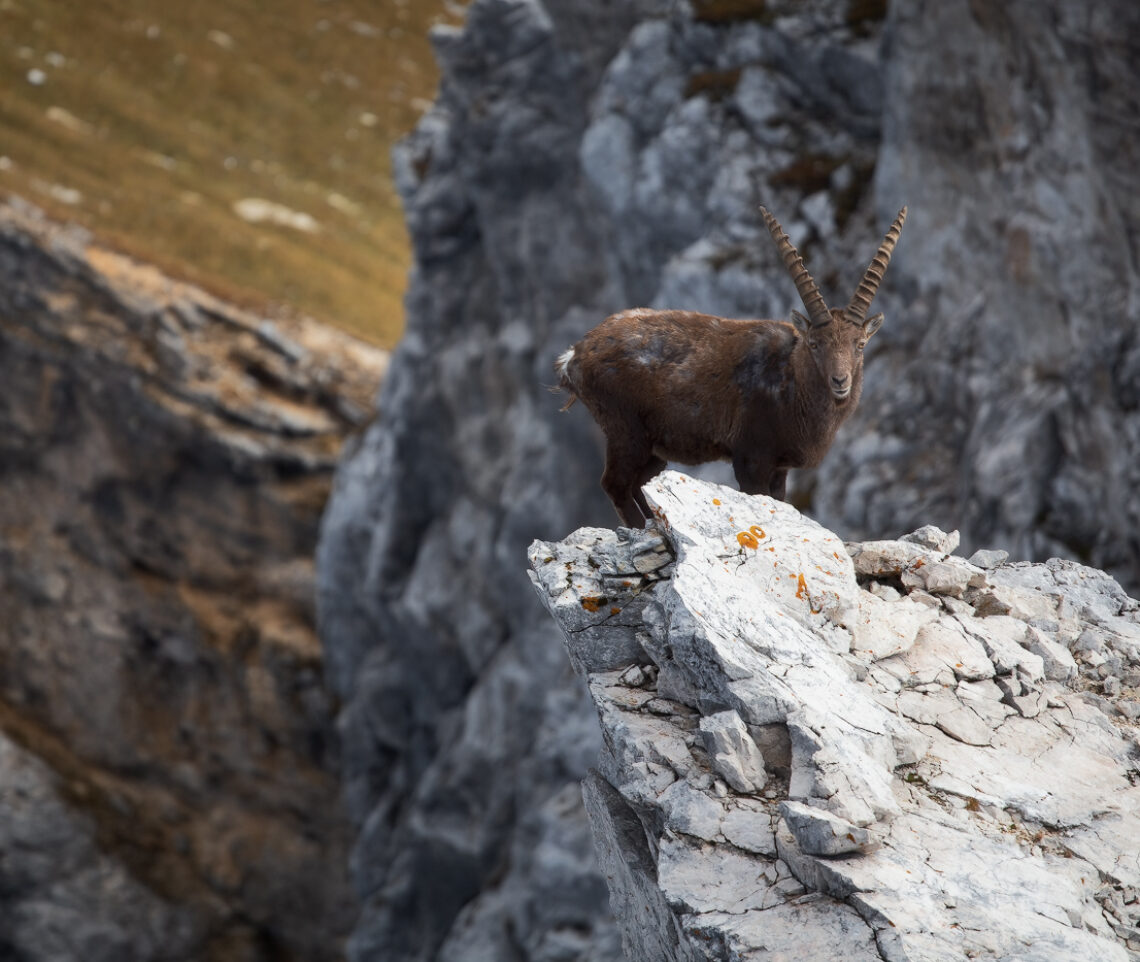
243 146
196 207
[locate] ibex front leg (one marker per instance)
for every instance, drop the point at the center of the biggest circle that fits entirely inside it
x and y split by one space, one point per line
756 472
778 484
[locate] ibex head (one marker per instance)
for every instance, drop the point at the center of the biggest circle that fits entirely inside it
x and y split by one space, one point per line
836 337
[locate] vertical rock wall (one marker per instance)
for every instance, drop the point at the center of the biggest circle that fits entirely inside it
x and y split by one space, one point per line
464 732
168 763
1003 398
582 158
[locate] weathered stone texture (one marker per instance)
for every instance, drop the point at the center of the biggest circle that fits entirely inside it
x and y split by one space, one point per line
168 764
935 804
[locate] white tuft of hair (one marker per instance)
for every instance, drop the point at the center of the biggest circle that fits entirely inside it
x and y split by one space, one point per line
562 365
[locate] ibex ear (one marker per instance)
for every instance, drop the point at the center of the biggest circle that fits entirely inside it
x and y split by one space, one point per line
872 324
803 325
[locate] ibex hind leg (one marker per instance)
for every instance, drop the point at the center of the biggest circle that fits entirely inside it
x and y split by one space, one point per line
626 465
648 473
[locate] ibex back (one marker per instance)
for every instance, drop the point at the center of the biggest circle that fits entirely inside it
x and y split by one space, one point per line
766 395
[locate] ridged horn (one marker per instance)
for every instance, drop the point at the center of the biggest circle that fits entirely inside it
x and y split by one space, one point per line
817 310
856 311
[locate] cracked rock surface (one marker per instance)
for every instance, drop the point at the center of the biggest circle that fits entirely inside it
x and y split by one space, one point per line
968 789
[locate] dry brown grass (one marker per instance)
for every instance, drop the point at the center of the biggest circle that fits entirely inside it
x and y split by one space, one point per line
152 119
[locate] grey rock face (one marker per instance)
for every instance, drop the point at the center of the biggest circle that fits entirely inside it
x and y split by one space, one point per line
168 763
937 802
1001 399
73 901
585 157
464 734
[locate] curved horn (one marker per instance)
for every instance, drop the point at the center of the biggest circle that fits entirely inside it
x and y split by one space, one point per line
809 290
856 311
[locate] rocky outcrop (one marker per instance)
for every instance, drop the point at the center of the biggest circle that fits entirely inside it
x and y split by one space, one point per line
168 767
583 157
876 751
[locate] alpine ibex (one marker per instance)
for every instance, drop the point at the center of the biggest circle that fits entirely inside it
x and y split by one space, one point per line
766 395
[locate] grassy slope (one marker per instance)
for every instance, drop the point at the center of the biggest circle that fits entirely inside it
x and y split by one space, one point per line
152 119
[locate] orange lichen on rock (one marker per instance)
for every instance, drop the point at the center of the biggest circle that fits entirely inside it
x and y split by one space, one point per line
593 603
801 588
757 531
747 540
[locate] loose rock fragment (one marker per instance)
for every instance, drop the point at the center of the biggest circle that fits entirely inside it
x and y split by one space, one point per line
988 558
885 559
820 833
951 576
633 676
1057 659
933 537
733 752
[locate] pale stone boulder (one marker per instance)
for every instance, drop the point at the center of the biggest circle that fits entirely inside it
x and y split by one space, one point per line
820 833
734 754
941 780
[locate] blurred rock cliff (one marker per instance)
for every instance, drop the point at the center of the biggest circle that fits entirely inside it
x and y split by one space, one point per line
168 764
584 157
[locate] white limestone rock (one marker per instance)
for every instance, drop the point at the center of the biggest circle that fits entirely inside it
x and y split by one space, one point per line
884 559
806 928
650 929
943 648
949 576
734 754
745 609
932 537
988 558
945 798
732 881
820 833
1057 659
749 825
689 811
1004 639
1025 604
591 584
881 628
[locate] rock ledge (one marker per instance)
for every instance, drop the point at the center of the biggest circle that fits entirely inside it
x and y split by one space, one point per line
877 750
